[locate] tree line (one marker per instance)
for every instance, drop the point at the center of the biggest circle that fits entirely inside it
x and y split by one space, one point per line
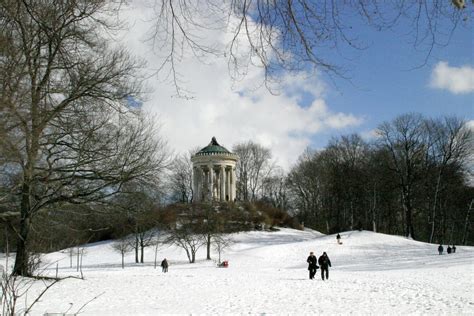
413 179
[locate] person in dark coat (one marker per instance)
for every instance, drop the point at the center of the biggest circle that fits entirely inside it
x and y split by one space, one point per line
312 265
338 238
324 263
454 249
440 249
448 250
164 265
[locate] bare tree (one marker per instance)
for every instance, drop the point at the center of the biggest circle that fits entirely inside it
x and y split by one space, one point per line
350 152
405 140
64 121
188 240
157 242
137 208
221 242
467 223
293 35
189 232
123 247
180 178
14 288
145 239
306 187
450 146
274 189
253 167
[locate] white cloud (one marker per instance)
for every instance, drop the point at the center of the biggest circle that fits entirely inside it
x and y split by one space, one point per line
369 135
234 111
457 80
470 124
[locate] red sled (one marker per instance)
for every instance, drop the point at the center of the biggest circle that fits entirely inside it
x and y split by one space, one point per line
223 264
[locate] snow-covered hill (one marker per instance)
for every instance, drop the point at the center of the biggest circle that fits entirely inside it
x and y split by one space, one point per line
371 274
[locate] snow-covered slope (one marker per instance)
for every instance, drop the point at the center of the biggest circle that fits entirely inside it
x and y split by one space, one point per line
371 274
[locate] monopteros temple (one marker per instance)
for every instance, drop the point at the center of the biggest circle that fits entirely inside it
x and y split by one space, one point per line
214 173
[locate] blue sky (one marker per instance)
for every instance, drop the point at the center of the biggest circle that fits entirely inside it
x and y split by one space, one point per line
384 83
387 80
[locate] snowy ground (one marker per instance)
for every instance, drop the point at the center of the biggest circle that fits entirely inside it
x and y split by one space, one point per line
371 274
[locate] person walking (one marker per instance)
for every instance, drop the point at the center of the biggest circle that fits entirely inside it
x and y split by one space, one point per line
164 265
324 263
312 265
338 237
454 249
440 249
448 250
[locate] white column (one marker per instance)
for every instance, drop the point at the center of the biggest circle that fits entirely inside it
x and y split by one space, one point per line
199 184
194 183
211 183
222 183
233 184
205 183
227 185
228 190
230 184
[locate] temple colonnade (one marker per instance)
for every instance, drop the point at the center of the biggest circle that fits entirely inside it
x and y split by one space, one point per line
214 173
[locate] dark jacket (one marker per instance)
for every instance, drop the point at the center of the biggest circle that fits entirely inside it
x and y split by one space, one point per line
164 263
324 262
312 261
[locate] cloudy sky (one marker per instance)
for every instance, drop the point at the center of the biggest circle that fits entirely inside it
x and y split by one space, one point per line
385 80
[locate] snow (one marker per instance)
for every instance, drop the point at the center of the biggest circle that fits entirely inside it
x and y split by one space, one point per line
371 274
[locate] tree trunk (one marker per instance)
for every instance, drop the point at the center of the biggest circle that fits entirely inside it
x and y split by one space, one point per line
408 214
77 259
208 247
142 249
466 224
433 212
21 260
136 248
7 249
409 224
352 216
156 254
123 261
374 224
188 254
80 263
193 256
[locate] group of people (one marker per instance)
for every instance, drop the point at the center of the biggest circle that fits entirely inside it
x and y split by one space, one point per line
449 250
324 264
323 261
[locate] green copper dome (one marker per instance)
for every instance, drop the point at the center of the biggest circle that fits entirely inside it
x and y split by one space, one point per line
213 148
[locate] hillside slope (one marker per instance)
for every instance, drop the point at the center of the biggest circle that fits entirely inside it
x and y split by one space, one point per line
371 274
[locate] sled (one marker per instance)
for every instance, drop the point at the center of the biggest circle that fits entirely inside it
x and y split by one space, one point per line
223 264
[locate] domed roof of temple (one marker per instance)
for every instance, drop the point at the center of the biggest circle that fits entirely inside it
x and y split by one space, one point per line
213 148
